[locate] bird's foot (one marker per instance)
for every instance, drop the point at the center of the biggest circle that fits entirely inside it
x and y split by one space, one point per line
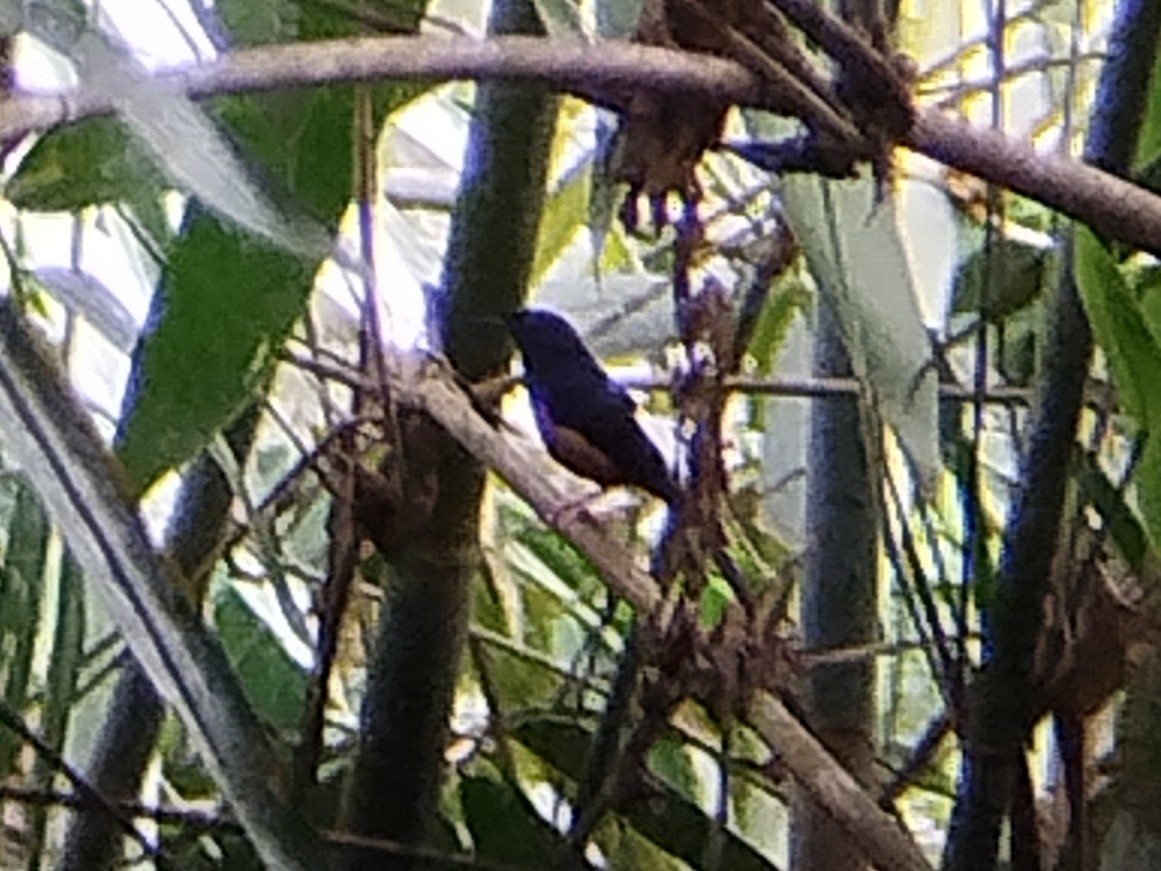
574 510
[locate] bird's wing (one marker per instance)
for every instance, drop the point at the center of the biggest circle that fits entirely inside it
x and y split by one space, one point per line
591 405
594 433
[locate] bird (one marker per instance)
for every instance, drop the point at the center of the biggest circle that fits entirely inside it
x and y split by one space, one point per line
585 418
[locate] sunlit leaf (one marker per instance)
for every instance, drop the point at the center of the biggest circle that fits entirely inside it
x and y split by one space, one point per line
625 848
275 684
561 18
186 145
520 681
854 250
565 212
788 299
716 597
672 763
86 295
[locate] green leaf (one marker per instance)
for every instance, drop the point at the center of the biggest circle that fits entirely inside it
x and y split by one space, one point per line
625 848
1148 480
670 760
187 146
303 141
229 302
304 137
1016 274
274 682
1124 334
520 682
559 555
261 22
1147 285
565 212
788 299
1149 140
716 596
1120 328
1023 332
21 588
505 826
564 746
92 161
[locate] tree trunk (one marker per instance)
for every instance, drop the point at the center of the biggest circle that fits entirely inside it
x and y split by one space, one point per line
492 243
839 599
999 721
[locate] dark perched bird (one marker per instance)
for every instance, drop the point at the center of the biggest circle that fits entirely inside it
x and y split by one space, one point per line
585 418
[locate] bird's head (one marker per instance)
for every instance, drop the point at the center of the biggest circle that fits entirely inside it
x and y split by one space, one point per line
544 336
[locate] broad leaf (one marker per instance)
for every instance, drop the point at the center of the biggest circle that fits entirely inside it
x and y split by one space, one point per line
275 684
1120 328
1015 274
187 146
93 161
854 250
565 212
229 302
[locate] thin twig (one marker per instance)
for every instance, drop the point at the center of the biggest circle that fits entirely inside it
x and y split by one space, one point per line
12 720
185 817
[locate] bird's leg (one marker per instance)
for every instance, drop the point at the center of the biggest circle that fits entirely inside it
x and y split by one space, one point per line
574 510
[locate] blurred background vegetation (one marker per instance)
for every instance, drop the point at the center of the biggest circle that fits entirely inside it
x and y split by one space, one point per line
944 503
